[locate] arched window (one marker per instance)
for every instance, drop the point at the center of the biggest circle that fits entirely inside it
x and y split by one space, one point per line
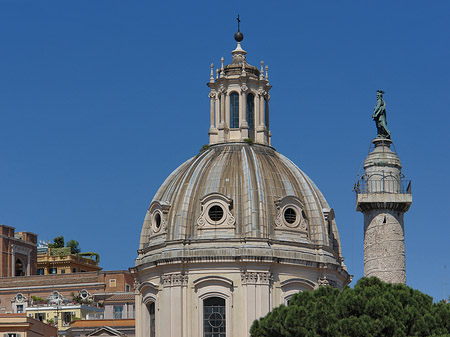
251 111
214 319
234 110
19 268
151 314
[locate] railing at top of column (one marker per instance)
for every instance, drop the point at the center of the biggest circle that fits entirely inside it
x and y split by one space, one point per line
383 185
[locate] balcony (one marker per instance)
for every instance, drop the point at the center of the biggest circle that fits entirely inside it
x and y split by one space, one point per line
384 193
383 185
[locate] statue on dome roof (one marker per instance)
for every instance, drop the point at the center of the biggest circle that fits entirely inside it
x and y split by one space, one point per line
379 116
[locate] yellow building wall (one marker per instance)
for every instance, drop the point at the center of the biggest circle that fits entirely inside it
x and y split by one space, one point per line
50 314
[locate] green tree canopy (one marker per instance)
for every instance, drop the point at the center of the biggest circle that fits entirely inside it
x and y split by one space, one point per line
74 246
58 242
372 308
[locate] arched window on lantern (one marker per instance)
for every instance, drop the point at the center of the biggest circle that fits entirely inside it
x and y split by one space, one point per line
251 111
234 110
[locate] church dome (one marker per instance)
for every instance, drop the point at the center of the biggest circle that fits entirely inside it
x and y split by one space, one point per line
236 193
237 229
239 191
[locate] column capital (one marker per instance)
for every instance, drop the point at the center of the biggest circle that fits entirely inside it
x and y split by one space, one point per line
256 277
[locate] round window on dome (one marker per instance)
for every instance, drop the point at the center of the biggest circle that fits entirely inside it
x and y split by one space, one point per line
216 213
290 215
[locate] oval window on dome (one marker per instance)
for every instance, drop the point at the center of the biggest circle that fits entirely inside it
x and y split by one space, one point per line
216 213
157 220
290 215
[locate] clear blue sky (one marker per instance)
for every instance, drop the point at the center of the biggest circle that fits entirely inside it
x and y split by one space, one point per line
101 100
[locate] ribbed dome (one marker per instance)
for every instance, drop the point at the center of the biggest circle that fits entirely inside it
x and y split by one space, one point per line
255 186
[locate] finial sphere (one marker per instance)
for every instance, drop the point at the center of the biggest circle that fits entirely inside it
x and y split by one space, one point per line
238 36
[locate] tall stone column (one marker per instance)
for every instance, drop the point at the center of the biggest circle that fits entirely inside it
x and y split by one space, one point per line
383 197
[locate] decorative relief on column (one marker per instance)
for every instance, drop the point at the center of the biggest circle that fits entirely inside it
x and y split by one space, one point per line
384 248
136 285
174 280
244 88
256 277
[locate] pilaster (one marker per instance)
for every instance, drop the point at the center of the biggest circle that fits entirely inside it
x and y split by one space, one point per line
173 305
243 112
257 295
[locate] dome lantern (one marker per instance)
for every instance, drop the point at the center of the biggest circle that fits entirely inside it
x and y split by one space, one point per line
239 101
